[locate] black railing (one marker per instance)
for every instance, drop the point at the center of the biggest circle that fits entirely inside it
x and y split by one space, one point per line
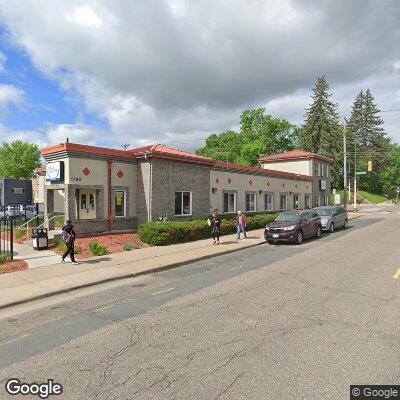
7 237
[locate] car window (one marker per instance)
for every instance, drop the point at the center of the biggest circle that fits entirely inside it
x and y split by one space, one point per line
315 215
286 217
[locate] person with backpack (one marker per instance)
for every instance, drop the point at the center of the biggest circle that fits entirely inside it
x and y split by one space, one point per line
241 224
69 236
215 224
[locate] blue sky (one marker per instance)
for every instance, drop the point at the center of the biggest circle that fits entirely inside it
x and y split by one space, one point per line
112 72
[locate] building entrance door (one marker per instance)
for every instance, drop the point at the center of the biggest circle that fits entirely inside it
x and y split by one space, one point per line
87 204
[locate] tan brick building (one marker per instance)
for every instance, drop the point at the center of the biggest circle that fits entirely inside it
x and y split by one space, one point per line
106 189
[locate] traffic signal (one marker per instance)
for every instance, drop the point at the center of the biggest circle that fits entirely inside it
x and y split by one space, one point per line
369 166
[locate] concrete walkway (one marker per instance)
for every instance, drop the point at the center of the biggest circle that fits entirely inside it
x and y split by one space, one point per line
36 283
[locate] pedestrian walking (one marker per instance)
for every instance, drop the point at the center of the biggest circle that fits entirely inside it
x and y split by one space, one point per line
69 236
241 224
215 224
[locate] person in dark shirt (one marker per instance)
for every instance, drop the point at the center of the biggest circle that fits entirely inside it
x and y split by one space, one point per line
215 227
69 236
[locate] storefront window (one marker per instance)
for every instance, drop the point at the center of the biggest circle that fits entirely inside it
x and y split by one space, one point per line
119 196
307 202
283 203
183 203
296 204
250 202
229 201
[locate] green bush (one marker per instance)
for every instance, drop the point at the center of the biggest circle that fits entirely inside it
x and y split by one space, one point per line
60 220
20 233
169 232
129 246
2 271
97 249
4 258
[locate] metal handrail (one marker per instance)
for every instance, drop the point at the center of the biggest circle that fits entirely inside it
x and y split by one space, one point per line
46 222
27 223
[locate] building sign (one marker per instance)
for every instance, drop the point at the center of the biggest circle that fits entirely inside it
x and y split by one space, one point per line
55 171
322 184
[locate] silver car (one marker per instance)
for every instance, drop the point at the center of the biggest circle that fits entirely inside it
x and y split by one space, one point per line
332 217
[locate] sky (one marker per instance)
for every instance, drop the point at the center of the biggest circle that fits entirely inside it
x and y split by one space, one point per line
115 72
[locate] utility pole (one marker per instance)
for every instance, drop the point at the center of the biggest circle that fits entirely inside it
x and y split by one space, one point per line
344 166
355 176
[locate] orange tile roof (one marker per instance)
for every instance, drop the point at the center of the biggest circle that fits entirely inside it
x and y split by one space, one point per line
296 154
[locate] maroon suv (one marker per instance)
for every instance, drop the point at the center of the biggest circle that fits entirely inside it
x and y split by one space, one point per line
294 226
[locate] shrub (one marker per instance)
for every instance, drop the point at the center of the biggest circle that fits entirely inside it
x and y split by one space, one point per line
129 246
164 233
2 271
60 220
4 258
62 247
20 233
97 249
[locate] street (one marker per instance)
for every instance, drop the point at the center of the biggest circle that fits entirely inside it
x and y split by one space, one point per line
269 322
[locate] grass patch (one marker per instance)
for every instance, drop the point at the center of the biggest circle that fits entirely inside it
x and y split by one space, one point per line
373 197
97 249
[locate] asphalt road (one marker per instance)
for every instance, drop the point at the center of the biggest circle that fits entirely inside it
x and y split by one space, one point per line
271 322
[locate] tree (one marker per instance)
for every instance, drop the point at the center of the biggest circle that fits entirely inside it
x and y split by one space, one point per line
260 134
369 140
18 159
390 177
322 133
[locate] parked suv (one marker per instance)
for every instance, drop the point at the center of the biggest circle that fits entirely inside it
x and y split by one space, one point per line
332 217
294 226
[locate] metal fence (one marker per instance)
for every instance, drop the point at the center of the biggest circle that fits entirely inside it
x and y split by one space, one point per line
7 237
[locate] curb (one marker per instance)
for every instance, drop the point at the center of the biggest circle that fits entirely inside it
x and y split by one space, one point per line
123 276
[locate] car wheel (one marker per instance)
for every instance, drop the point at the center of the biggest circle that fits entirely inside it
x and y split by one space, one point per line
270 242
346 224
318 232
332 227
299 239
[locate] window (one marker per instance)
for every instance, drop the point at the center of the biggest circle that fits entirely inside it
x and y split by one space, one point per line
307 201
183 203
250 202
327 200
283 202
269 202
316 169
18 190
324 170
317 201
296 203
83 201
229 202
119 203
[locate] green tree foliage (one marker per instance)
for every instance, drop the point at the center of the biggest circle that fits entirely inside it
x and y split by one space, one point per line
260 134
322 133
369 140
18 159
390 177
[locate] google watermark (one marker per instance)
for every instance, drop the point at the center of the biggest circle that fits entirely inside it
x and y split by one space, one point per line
43 390
375 392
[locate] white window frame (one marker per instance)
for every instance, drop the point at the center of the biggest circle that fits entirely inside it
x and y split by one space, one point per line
317 199
266 203
255 201
228 192
280 201
124 199
307 206
318 167
191 203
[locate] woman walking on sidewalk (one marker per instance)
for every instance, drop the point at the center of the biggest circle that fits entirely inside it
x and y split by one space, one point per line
241 224
215 227
69 235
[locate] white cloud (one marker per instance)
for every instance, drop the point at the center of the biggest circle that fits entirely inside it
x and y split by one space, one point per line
10 95
3 60
177 70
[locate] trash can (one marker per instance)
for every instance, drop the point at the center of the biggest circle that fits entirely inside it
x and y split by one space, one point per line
40 239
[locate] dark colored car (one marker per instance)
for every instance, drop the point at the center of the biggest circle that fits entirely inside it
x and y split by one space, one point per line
294 226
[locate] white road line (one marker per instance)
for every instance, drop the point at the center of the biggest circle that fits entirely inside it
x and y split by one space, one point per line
103 308
240 266
162 291
14 340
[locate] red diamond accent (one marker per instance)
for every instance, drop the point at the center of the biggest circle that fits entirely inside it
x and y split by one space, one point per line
295 185
283 184
268 184
250 182
120 174
229 180
86 171
217 180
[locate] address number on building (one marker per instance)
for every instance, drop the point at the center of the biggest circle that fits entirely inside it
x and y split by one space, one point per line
75 179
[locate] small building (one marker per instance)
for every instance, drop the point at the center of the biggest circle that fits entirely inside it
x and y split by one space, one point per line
15 192
106 189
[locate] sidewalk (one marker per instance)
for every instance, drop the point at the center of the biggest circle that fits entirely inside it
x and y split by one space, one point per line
36 283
